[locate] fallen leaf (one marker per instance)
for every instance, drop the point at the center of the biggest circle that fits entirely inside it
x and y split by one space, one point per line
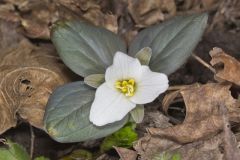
126 154
91 11
231 69
152 147
29 74
36 30
203 117
197 5
148 146
231 151
146 13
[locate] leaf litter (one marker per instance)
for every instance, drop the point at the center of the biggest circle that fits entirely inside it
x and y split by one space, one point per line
30 72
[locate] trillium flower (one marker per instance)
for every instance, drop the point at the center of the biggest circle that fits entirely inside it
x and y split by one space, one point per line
127 83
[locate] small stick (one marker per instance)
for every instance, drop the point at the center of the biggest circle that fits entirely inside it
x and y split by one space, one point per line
177 87
32 141
200 60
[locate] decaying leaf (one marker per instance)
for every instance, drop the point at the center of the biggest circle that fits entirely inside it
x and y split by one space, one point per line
197 5
29 74
90 10
126 154
203 117
151 147
231 67
146 12
36 30
231 151
148 146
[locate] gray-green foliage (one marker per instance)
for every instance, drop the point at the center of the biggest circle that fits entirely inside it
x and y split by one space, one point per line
88 50
172 42
84 48
67 115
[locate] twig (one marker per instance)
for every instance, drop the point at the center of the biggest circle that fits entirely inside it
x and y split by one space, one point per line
177 87
200 60
32 141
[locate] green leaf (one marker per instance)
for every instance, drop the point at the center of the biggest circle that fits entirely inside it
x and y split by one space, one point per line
167 156
13 152
41 158
176 156
79 154
84 48
94 80
172 42
122 138
144 55
138 113
67 115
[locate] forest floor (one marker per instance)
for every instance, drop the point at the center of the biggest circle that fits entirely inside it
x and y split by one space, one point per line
25 34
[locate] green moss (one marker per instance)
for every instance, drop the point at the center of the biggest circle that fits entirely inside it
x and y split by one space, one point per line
122 138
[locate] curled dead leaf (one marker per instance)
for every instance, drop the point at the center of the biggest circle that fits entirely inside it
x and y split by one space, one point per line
230 71
203 117
28 75
148 146
146 13
91 11
126 154
152 147
35 30
26 91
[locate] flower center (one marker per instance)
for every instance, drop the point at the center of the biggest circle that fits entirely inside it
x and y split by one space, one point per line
127 87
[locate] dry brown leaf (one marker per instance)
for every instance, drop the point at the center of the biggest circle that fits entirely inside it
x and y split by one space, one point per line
197 5
126 154
231 151
203 150
203 117
231 69
28 75
36 30
9 16
146 12
41 14
9 37
150 147
91 11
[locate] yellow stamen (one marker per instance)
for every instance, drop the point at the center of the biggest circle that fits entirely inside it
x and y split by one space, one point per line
127 87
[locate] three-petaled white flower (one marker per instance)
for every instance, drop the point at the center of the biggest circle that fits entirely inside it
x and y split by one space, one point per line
127 83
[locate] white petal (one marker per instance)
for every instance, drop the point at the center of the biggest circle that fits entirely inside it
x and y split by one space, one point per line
150 86
124 67
109 106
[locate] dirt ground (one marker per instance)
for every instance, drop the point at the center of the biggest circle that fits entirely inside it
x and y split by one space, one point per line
31 20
